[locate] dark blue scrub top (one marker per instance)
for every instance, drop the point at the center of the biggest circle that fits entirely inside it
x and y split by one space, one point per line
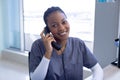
67 66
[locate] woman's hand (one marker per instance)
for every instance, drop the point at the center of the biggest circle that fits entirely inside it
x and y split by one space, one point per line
47 39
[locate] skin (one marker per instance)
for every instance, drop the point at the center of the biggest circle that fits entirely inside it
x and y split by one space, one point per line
60 28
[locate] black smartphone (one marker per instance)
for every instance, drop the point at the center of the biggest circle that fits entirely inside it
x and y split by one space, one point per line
54 44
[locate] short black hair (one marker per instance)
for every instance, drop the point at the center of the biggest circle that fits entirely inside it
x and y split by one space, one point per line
51 10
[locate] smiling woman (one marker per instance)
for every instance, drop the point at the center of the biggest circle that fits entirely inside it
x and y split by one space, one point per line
49 63
81 17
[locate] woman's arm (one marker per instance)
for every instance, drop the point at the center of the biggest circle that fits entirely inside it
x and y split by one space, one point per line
97 72
41 71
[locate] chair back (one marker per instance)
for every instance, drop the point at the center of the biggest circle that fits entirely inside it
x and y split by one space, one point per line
29 64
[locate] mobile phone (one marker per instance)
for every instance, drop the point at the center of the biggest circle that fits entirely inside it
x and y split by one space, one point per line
54 44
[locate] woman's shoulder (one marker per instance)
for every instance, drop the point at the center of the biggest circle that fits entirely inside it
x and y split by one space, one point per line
37 41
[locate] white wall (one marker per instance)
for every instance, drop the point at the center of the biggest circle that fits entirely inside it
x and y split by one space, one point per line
106 30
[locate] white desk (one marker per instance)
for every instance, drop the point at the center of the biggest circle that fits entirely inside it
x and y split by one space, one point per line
111 72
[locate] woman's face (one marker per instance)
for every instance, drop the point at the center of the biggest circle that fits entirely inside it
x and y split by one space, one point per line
58 25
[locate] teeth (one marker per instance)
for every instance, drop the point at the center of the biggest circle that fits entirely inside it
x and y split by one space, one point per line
63 33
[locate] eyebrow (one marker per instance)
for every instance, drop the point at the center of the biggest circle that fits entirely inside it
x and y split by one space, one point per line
61 20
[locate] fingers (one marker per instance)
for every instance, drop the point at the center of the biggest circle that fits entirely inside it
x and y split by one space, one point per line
43 35
48 36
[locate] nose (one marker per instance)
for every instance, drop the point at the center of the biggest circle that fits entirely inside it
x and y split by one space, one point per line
61 27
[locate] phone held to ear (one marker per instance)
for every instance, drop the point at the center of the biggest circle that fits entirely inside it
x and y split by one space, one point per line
54 44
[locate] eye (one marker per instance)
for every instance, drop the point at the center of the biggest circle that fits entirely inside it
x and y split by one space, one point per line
64 22
54 25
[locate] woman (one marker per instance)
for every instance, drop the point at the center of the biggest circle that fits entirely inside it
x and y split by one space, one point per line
47 63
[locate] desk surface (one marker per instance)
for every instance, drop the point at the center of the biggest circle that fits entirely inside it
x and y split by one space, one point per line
111 72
